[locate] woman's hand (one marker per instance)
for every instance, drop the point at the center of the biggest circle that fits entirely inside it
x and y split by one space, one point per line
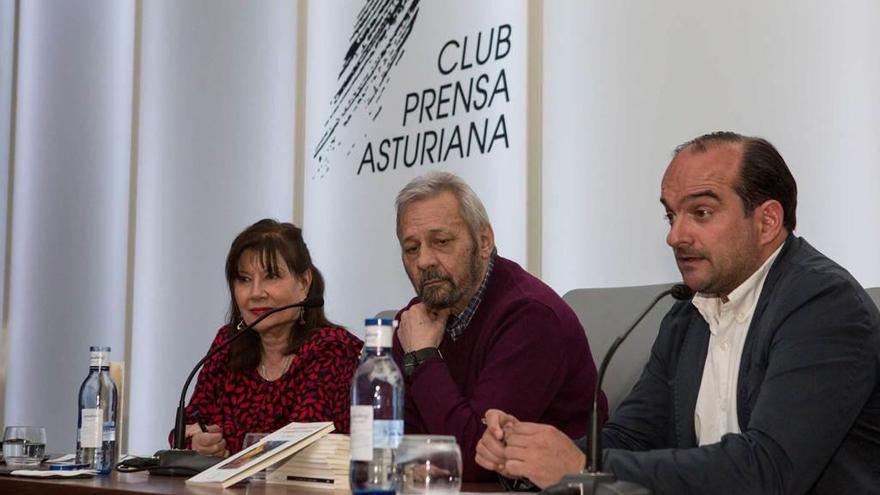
209 442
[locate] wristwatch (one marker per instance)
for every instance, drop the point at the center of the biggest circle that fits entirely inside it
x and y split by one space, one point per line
412 360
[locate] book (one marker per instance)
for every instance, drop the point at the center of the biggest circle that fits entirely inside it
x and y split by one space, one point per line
322 465
271 449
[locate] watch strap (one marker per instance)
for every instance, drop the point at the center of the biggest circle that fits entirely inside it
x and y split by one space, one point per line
412 360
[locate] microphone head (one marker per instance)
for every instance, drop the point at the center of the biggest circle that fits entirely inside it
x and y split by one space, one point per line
681 292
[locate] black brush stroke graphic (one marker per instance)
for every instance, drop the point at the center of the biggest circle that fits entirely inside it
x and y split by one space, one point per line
377 45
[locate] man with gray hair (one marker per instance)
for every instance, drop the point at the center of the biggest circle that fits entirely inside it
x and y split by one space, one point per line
482 332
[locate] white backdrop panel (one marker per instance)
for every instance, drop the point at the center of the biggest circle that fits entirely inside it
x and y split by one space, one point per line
216 154
70 214
624 83
349 216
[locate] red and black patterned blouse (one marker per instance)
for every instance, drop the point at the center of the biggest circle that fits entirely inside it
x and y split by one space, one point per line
316 387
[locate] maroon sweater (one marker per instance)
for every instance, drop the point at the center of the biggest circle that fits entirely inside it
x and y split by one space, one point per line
524 352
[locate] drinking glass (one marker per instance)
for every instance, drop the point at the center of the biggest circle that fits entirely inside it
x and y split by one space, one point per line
250 439
429 464
24 445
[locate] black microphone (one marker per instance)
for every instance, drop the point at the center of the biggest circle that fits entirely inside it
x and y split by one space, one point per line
181 462
594 481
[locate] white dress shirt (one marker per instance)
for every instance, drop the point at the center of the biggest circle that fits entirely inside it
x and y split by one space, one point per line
729 320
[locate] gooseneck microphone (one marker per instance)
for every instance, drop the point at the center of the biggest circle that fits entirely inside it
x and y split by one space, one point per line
180 462
680 292
589 481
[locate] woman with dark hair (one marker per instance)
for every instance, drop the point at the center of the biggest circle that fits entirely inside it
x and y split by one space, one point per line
295 366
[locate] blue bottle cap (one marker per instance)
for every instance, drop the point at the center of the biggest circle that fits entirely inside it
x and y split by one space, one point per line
381 322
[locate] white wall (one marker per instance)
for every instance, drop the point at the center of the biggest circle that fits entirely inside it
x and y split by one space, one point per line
7 49
624 82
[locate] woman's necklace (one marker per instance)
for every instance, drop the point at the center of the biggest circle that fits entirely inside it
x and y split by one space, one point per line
285 365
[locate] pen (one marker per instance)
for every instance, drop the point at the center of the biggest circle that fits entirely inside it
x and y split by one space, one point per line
201 423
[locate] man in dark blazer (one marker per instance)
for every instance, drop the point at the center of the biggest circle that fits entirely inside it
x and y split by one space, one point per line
766 383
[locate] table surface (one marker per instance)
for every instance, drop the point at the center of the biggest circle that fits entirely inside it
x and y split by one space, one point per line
143 483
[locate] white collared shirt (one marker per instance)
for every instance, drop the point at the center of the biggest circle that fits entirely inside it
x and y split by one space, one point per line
716 411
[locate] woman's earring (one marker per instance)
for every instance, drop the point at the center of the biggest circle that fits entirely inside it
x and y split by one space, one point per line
302 319
240 325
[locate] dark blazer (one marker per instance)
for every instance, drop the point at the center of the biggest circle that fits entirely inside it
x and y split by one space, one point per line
808 396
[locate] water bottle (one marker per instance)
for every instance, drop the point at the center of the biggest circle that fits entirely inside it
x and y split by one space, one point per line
96 423
376 413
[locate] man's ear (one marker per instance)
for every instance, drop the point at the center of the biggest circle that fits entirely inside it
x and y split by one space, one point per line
771 219
486 241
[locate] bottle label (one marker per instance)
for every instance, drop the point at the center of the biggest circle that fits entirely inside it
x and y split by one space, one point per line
387 433
362 433
99 359
91 431
109 434
378 336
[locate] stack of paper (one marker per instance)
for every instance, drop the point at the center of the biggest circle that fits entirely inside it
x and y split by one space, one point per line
323 464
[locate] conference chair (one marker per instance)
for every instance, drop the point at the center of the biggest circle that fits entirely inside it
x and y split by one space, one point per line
874 292
607 313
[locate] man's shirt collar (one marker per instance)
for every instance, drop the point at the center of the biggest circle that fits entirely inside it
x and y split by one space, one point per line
741 302
456 325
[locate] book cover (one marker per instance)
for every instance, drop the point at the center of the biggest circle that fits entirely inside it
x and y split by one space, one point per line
273 448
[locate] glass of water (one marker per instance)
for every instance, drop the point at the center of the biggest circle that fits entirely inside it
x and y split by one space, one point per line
24 445
429 464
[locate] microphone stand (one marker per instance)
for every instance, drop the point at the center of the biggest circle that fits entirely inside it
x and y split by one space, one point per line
593 480
178 461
